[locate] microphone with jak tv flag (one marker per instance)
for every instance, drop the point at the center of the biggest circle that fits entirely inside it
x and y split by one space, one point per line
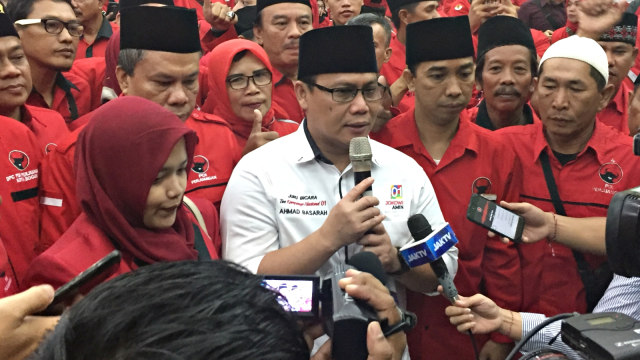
360 156
428 247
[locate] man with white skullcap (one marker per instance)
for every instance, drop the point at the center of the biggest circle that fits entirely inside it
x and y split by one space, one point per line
583 163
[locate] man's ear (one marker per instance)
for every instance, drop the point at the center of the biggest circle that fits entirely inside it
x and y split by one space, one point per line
257 34
409 79
403 15
387 54
302 94
123 80
605 96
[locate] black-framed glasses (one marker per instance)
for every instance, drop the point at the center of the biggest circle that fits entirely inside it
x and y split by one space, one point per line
55 26
346 94
260 78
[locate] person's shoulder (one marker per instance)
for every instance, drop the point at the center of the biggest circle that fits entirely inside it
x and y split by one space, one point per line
43 113
389 157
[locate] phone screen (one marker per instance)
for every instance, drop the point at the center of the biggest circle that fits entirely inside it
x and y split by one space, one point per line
299 294
496 218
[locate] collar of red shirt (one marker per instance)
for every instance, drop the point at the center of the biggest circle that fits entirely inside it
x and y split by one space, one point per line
621 100
409 136
278 77
596 142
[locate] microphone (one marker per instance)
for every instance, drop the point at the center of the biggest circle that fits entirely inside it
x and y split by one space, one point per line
360 156
367 261
428 248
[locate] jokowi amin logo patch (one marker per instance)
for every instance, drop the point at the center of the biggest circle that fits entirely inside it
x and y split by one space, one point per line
610 173
200 164
19 159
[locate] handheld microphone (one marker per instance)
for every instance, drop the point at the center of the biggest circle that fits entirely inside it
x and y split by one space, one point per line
430 250
360 156
347 319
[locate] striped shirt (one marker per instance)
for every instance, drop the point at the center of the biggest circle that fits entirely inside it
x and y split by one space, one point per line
621 296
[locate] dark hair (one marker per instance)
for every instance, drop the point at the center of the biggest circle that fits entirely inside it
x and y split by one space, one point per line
20 9
178 310
129 58
533 61
395 18
595 74
258 21
369 19
239 56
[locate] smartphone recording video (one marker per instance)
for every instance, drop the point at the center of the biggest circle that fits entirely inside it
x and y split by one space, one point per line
501 221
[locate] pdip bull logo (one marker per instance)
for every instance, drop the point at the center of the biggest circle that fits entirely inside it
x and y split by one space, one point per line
200 164
19 159
610 173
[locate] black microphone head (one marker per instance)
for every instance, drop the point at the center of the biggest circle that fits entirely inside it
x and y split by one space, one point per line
368 262
419 227
360 149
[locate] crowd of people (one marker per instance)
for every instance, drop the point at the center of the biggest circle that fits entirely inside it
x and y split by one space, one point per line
208 141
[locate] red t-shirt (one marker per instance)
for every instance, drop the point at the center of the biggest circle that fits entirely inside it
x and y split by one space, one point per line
485 265
285 97
393 69
19 209
615 113
47 125
605 166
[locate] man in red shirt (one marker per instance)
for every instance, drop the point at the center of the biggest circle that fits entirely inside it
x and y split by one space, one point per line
343 10
278 28
619 45
154 65
97 29
588 161
15 86
50 32
506 65
460 159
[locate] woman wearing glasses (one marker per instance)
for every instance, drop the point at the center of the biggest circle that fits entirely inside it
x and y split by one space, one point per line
131 177
239 86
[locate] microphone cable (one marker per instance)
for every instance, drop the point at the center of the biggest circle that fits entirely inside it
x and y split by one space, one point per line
535 330
474 344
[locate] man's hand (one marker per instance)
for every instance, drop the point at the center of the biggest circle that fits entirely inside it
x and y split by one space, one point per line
598 16
20 331
378 242
383 114
537 223
477 313
398 89
257 137
216 14
480 12
351 217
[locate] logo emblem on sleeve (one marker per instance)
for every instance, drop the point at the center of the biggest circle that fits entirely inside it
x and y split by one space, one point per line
610 173
19 159
49 147
200 164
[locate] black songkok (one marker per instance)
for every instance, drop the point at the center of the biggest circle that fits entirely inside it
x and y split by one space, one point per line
246 18
394 5
170 29
337 49
6 26
131 3
501 31
624 31
439 39
261 4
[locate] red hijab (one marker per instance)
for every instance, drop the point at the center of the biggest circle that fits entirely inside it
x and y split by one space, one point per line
119 154
217 101
111 54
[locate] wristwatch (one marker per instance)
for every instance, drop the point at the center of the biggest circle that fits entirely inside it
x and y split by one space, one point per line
404 267
407 322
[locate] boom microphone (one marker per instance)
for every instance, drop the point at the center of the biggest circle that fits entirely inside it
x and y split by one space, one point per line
360 156
430 250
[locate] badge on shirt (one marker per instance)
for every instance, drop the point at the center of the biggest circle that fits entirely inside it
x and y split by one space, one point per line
610 173
482 186
201 166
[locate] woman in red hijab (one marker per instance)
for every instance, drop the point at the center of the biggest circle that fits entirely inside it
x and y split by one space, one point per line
131 170
239 83
572 22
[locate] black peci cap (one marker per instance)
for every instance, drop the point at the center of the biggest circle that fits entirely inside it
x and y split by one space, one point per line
6 26
171 29
439 39
131 3
501 31
261 4
337 49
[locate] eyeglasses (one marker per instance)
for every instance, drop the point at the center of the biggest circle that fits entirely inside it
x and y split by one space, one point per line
347 94
55 26
260 78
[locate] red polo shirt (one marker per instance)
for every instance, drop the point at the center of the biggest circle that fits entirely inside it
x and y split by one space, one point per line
215 156
21 156
393 69
47 125
485 265
71 98
285 97
605 166
99 45
615 113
